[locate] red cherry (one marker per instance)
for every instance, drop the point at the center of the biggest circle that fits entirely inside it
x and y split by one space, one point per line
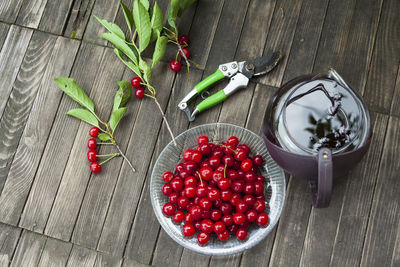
203 238
167 189
232 174
205 149
92 143
219 227
187 155
258 160
195 211
196 156
239 218
186 52
217 175
190 181
215 215
190 166
224 183
241 233
202 139
223 236
94 131
190 191
233 228
188 218
260 178
175 65
183 202
258 188
262 219
95 167
249 200
177 184
167 176
246 165
205 203
218 152
228 160
179 167
173 198
245 148
237 186
233 140
214 161
227 219
188 229
213 194
168 209
249 188
226 195
178 216
228 149
261 197
197 225
218 203
240 154
135 82
206 214
139 92
92 155
259 205
241 206
206 173
226 208
207 226
184 40
250 176
251 215
201 191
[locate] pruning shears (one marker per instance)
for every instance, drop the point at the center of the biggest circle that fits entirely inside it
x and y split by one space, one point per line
239 74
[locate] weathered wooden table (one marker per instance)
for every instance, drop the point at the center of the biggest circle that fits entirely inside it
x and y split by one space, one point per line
54 212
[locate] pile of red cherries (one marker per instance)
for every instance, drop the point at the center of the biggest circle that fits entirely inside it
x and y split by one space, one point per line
217 189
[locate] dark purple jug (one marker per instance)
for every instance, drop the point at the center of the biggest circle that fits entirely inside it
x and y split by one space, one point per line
317 128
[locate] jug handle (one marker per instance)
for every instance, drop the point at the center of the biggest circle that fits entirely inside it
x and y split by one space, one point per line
321 190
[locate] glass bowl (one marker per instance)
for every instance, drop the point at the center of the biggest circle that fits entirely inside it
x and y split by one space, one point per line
274 188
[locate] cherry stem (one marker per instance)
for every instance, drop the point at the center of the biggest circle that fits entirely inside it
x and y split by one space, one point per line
102 143
113 156
225 171
183 54
125 158
107 155
201 180
234 151
166 121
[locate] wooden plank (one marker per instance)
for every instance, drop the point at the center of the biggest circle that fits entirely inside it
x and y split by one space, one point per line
306 39
22 97
395 109
11 56
104 260
220 261
3 33
37 129
358 195
81 256
55 16
384 218
280 37
104 9
203 30
76 175
100 189
385 61
30 13
9 10
29 249
55 253
396 250
143 236
167 251
78 19
9 236
193 259
129 185
47 178
255 29
132 263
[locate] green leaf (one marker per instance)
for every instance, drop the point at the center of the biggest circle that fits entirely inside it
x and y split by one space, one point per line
183 5
156 22
84 115
145 69
121 45
123 94
103 137
116 116
114 28
128 15
129 64
69 86
145 3
159 50
173 12
142 22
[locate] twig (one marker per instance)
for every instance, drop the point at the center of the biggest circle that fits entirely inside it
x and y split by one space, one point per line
166 122
183 55
125 158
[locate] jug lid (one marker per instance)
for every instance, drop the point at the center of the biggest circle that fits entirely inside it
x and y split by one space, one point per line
321 112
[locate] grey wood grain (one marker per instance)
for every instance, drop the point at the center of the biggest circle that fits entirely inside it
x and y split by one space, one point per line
396 250
192 259
30 13
232 260
78 19
47 179
356 206
145 228
395 109
255 29
76 175
203 30
129 185
36 132
306 39
132 263
55 16
167 251
384 218
9 10
29 249
280 37
3 33
81 257
14 48
385 60
104 9
21 99
55 253
104 260
101 186
9 236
